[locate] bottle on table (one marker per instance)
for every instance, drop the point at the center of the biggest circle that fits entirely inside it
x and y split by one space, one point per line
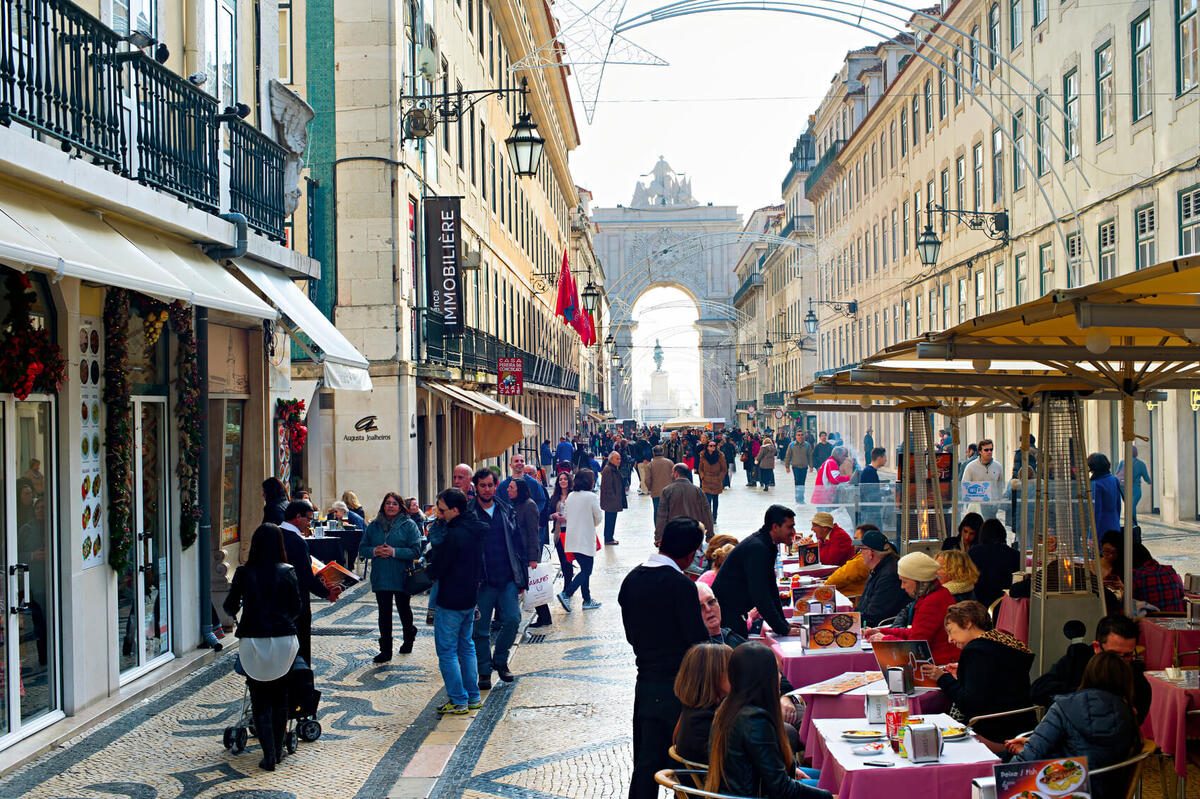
897 717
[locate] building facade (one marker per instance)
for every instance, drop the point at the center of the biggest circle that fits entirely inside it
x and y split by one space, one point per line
1093 160
148 259
435 365
750 303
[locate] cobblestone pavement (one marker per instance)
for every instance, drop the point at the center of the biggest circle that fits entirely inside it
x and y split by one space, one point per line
561 730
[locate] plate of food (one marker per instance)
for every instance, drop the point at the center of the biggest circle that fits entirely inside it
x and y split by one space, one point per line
953 733
1061 776
866 750
1029 795
862 735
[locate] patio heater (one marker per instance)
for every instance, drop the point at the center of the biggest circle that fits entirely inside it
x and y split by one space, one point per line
1066 570
922 520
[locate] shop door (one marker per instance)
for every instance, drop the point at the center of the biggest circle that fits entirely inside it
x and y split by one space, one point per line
28 594
143 600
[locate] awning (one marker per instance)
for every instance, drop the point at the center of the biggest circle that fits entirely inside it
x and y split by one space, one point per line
496 427
344 366
213 286
66 241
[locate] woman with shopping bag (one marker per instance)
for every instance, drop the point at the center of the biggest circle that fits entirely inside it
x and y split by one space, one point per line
583 517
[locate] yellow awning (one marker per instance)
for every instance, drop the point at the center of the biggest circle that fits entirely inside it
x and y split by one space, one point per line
495 427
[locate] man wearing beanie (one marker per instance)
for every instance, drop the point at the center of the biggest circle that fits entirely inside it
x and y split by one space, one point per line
918 578
833 543
882 597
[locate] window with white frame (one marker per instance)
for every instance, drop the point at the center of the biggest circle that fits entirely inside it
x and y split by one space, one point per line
980 292
945 196
1042 133
1071 117
1039 12
962 300
1187 45
908 319
918 314
946 299
960 182
997 166
1045 269
132 15
1146 230
974 51
1104 91
1074 260
886 328
977 177
904 233
1108 249
1019 279
1015 25
883 240
933 309
928 106
916 121
998 287
903 132
285 42
1018 134
942 80
1143 75
1189 221
220 44
993 34
958 93
896 322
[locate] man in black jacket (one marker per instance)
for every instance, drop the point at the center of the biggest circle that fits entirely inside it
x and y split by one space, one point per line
996 562
297 520
456 563
504 577
1116 633
882 597
747 578
661 614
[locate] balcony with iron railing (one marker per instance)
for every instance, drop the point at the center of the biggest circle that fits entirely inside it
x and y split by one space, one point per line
798 223
70 79
479 351
818 171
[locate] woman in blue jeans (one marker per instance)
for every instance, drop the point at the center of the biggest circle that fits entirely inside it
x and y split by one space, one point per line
583 516
456 565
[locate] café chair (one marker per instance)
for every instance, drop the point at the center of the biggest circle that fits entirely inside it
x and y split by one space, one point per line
1037 710
994 609
697 771
1138 761
1177 661
669 778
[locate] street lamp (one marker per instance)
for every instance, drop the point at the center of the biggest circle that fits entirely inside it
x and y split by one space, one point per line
810 322
928 246
591 297
525 146
610 342
768 347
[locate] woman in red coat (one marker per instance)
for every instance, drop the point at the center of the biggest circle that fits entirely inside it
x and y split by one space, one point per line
918 577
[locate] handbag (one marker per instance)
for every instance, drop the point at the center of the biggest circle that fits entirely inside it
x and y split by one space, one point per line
416 580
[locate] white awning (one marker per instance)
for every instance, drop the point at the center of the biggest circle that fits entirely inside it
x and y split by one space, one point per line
344 366
66 241
213 286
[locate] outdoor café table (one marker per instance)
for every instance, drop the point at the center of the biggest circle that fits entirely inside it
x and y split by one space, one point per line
1163 637
804 666
792 566
1168 724
849 777
853 703
327 549
1013 617
841 602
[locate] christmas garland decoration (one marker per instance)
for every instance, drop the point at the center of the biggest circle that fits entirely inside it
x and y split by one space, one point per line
189 417
291 412
118 431
30 361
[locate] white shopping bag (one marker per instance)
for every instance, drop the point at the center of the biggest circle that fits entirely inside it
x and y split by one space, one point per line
541 587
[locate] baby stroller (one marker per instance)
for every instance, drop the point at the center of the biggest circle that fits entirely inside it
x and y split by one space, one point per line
303 699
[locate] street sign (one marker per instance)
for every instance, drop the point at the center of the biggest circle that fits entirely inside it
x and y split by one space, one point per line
510 376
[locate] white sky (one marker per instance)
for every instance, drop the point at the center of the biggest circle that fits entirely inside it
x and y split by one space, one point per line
668 316
735 150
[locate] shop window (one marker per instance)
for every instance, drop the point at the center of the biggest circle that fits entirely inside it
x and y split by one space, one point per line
147 351
231 473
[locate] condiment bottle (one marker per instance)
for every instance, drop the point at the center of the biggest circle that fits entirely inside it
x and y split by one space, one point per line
897 716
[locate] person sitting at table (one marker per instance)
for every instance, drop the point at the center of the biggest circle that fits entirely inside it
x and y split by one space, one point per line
834 546
1156 583
968 533
1111 565
995 560
749 753
350 521
700 685
747 578
957 573
991 676
923 619
851 577
1114 633
882 597
717 559
1096 721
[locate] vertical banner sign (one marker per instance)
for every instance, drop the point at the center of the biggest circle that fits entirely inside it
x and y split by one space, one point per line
90 480
443 263
510 376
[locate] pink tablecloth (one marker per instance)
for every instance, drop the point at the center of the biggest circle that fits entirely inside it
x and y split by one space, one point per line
851 705
813 667
948 780
1167 723
1013 618
1162 641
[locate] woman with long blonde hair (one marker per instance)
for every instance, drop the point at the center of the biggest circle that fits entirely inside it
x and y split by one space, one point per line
958 573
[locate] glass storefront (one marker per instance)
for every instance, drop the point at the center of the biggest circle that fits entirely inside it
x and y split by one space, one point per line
231 473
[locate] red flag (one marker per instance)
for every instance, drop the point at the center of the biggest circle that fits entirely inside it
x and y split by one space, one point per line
580 321
567 303
591 336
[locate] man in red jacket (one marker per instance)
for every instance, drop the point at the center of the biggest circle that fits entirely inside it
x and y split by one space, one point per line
834 544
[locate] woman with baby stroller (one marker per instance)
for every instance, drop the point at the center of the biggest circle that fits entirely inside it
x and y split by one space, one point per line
268 594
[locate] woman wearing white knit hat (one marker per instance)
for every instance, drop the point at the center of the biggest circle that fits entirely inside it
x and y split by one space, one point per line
926 616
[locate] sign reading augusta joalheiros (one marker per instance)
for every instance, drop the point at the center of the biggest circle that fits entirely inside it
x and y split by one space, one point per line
443 263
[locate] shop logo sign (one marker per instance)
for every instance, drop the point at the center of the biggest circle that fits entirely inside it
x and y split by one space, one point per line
367 430
366 424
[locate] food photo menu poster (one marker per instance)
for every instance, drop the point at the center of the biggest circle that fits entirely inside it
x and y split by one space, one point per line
1062 778
90 482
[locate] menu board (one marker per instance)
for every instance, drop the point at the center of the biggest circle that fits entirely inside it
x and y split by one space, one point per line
1063 778
833 630
90 478
836 686
914 654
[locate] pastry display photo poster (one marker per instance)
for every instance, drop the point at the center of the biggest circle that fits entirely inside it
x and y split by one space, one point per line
90 482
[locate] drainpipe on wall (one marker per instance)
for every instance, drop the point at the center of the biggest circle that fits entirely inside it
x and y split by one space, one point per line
220 252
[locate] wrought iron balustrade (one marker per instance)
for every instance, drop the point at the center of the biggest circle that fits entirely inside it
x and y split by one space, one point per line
59 76
256 179
176 134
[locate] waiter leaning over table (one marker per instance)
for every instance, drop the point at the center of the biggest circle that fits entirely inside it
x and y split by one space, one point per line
747 578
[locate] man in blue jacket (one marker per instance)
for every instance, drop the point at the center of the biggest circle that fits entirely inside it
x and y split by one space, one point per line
504 577
565 453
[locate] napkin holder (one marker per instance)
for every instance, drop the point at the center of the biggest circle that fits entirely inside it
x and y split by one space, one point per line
983 788
1191 583
921 743
810 555
900 680
1193 610
876 703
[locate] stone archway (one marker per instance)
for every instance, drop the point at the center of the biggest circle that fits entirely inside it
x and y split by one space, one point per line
639 247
